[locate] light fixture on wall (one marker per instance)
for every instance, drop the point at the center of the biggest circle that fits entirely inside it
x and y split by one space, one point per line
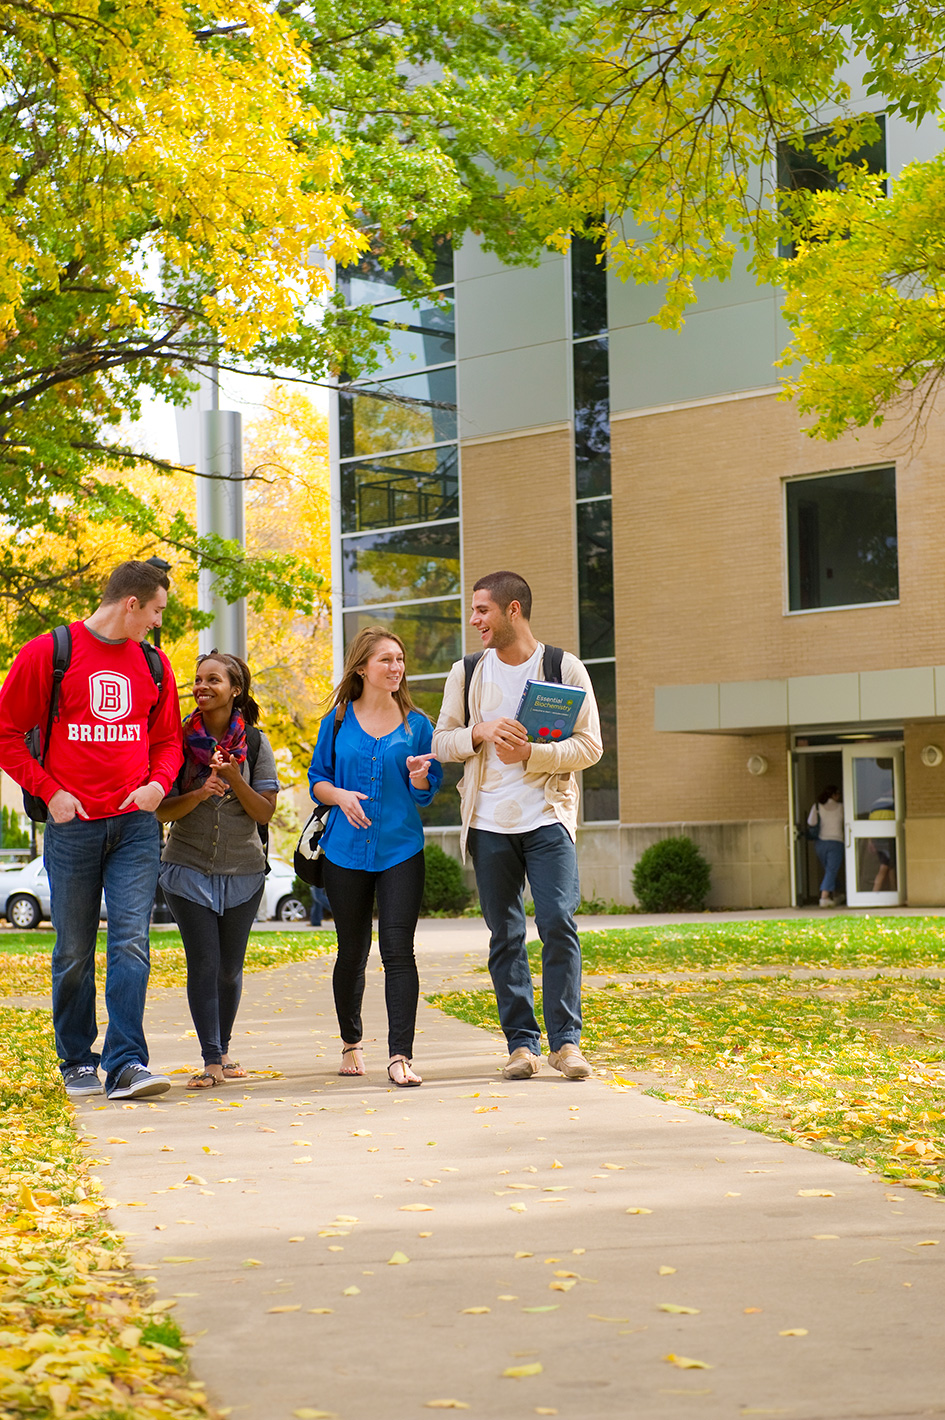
931 756
757 764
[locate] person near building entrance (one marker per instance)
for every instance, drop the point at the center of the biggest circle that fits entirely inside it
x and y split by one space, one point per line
519 819
114 750
827 812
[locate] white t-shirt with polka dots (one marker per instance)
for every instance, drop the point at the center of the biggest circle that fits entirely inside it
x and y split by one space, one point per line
507 802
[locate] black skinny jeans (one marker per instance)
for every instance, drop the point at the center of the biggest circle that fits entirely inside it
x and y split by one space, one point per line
215 947
351 893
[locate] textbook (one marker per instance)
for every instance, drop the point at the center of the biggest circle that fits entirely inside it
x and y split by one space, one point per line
548 710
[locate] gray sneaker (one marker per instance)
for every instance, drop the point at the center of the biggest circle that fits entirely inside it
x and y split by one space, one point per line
81 1081
570 1062
136 1082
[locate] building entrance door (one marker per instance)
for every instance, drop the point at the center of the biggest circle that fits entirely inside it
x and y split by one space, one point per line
873 800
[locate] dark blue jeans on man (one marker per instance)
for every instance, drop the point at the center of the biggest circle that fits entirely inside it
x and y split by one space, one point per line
119 855
547 857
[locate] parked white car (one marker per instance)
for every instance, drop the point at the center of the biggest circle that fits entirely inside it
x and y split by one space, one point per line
24 894
279 899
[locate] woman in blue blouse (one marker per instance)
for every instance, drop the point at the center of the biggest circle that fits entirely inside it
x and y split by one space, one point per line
379 773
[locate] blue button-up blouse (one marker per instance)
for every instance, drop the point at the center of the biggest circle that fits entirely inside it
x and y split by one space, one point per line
377 768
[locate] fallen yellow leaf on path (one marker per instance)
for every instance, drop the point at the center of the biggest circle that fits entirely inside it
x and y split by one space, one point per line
793 1331
929 1242
561 1286
677 1311
445 1405
475 1311
751 1311
321 1311
555 1165
115 1140
306 1414
686 1363
397 1259
296 1308
826 1237
815 1193
251 1262
416 1208
517 1373
545 1410
639 1210
523 1254
351 1292
617 1168
667 1271
591 1316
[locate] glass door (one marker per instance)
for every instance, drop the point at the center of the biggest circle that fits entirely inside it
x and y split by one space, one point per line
873 800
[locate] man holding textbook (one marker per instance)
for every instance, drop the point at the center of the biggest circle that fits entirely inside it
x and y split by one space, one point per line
519 816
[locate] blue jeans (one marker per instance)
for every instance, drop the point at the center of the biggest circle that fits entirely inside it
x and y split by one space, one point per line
830 852
120 855
548 858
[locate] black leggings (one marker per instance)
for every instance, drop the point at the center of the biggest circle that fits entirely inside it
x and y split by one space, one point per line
215 947
351 893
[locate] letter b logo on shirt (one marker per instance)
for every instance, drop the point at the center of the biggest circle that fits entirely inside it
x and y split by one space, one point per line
109 695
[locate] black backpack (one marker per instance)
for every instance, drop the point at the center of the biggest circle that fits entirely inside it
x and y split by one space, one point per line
550 671
36 744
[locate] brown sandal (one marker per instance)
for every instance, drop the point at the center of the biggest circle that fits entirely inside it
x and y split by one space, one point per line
348 1050
233 1070
205 1081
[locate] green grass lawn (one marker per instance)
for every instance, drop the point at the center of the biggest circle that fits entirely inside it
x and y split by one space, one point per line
854 1068
829 941
24 957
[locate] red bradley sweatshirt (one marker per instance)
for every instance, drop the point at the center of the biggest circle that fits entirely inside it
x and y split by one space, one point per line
102 746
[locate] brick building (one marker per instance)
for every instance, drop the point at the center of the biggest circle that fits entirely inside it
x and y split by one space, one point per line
762 613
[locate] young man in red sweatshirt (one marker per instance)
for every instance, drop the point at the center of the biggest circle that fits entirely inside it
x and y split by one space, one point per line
113 753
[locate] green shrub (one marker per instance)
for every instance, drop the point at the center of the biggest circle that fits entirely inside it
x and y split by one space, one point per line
302 891
444 889
671 876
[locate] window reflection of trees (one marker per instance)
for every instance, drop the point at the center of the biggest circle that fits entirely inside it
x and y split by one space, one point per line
418 487
843 545
414 562
398 414
592 418
431 634
596 578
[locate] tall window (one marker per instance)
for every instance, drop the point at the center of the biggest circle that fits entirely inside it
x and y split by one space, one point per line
841 540
594 513
399 476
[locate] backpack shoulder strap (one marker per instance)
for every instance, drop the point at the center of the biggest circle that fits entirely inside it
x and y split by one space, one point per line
551 664
62 655
340 711
253 741
470 663
155 665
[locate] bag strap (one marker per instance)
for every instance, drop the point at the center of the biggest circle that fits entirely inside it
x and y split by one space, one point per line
551 664
470 663
62 655
340 711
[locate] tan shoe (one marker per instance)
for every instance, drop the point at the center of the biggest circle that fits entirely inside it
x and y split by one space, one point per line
521 1065
570 1062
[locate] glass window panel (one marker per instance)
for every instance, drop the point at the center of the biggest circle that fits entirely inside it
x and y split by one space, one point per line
405 488
444 812
600 797
412 562
800 170
432 634
595 578
398 414
365 281
588 287
874 789
591 418
428 338
842 546
876 865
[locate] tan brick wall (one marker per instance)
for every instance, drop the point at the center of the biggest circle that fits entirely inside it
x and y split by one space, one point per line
699 576
925 788
518 513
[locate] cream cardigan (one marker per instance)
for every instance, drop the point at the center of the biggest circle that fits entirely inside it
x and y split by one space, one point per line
553 764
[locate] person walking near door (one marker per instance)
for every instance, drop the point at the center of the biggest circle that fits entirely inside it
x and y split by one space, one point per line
827 816
519 818
113 751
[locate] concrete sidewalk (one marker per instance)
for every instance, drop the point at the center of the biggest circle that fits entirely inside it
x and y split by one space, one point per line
545 1224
